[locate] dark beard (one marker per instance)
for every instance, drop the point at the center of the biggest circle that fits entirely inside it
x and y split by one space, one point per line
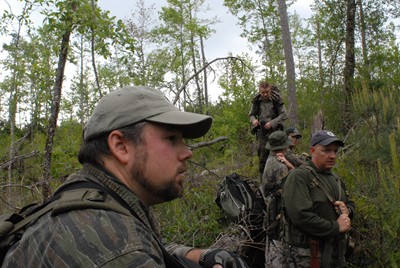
166 192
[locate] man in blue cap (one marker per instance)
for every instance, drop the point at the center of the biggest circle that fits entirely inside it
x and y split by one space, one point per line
318 208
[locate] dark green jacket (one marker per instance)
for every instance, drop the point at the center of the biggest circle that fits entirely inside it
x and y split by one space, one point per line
92 237
309 211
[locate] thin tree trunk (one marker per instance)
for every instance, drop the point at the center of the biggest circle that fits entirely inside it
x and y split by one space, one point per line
204 60
55 108
350 62
290 70
319 47
93 50
13 103
364 42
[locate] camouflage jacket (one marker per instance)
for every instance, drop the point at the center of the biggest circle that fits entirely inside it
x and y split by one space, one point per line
274 171
272 110
92 237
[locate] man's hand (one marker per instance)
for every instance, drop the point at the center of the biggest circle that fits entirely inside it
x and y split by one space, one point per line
341 207
255 123
344 223
220 258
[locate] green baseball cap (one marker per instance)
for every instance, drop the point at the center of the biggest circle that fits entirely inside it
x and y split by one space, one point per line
132 104
278 140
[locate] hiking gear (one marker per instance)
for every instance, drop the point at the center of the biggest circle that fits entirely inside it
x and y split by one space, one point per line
132 104
273 209
211 257
240 198
324 138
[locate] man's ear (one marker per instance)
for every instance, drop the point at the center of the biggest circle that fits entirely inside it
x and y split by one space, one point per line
312 150
118 146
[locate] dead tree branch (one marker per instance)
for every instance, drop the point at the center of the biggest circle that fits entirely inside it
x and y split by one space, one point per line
207 143
201 70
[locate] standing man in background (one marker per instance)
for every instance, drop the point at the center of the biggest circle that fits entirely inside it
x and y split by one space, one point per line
267 114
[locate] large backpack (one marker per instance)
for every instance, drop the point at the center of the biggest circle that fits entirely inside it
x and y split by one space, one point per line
273 223
240 198
242 202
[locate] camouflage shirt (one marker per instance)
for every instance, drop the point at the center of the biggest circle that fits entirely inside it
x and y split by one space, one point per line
274 170
92 237
264 110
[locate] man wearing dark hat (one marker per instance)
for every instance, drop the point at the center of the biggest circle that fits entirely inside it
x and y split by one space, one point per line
276 168
315 233
133 148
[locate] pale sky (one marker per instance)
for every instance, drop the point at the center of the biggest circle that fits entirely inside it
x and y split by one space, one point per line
226 38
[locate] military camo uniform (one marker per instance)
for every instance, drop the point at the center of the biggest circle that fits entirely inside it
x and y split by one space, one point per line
274 170
92 237
264 111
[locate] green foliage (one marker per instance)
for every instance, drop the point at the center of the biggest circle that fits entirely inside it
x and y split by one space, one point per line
193 219
67 143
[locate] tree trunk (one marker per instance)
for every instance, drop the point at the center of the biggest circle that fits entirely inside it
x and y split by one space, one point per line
350 63
55 108
93 49
204 60
290 71
364 49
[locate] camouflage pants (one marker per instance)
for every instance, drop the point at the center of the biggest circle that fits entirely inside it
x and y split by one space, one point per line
278 254
262 152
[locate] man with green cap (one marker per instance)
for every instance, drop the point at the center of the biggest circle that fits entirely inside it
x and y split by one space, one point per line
133 149
276 168
292 155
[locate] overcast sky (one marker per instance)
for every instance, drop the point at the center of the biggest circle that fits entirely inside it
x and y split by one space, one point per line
227 37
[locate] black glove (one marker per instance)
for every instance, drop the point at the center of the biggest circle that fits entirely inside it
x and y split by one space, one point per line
220 256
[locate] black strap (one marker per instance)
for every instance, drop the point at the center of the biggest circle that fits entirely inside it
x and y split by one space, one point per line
319 183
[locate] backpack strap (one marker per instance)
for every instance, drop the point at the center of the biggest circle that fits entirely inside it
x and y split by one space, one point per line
319 183
85 195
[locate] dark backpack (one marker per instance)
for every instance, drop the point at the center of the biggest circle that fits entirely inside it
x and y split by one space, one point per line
240 198
242 202
274 209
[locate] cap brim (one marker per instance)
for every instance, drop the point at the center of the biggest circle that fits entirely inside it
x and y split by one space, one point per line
192 125
331 140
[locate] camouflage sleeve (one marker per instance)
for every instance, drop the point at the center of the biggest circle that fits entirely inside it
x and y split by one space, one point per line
252 114
87 238
281 117
177 249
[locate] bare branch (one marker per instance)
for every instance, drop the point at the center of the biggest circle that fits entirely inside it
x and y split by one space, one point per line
20 157
201 70
207 143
